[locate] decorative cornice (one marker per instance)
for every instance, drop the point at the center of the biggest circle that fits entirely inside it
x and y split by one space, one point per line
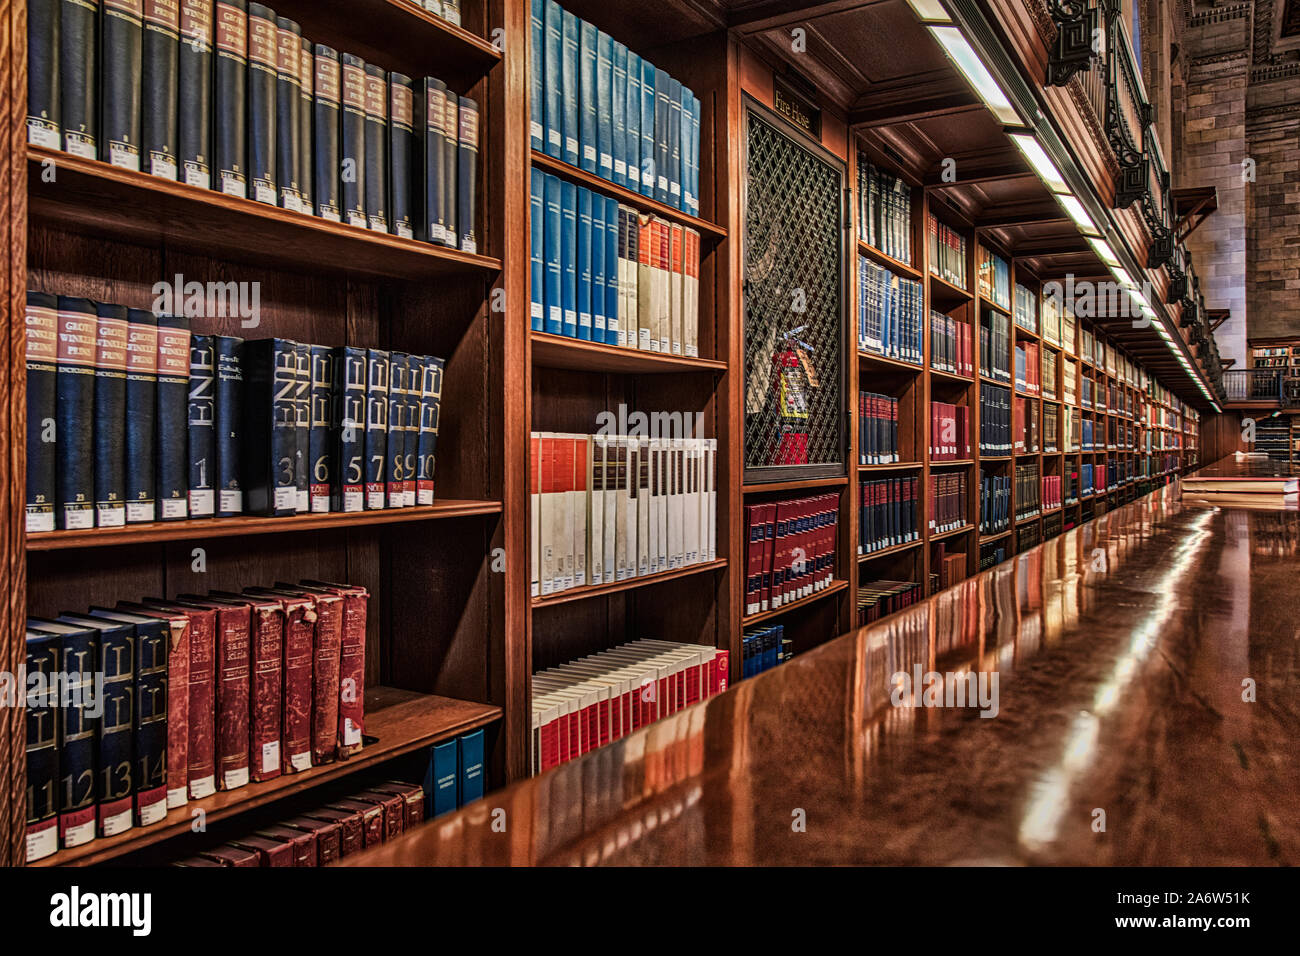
1219 15
1042 19
1084 108
1275 71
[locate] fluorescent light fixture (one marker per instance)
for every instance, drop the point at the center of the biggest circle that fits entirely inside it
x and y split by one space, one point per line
930 10
1122 275
1041 162
977 75
1078 214
1103 249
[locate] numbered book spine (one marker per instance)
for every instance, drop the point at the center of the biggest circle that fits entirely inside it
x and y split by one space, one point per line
320 458
435 156
348 487
194 93
78 78
42 661
263 41
43 128
306 87
570 84
467 176
75 406
405 198
42 399
229 97
78 661
536 73
288 113
228 366
121 44
325 678
111 330
326 171
201 419
552 66
352 664
176 682
302 427
587 122
395 465
415 373
352 139
171 422
551 238
376 436
430 406
376 100
268 440
152 645
158 133
233 640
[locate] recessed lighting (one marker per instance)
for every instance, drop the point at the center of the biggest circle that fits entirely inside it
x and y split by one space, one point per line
1041 162
976 74
1103 249
1122 275
930 10
1078 214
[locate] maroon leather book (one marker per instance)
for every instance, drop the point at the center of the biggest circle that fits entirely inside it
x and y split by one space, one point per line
197 861
372 819
352 663
233 642
327 834
413 796
302 841
349 824
178 700
270 851
325 673
267 666
230 855
201 763
394 805
296 689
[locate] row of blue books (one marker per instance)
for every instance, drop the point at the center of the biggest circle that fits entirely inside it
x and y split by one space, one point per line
455 774
599 106
995 503
762 648
891 313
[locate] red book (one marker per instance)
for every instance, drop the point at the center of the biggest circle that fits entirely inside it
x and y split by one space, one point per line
230 855
270 850
349 823
233 662
372 819
326 834
721 663
352 663
266 652
296 690
200 773
325 672
393 805
302 842
412 795
178 704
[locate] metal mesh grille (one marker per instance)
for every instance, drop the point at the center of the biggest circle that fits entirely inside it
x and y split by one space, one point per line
794 304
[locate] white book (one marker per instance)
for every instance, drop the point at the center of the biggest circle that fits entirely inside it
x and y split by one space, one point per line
578 505
691 505
647 333
655 502
704 499
547 502
665 453
663 289
712 537
677 336
618 452
610 507
563 529
675 504
589 694
691 292
534 514
631 491
643 508
596 510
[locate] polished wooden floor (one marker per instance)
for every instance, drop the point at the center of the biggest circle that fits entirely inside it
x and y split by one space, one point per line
1148 713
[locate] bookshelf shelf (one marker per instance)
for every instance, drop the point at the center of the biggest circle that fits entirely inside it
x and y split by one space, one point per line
995 536
880 361
644 203
939 536
951 464
250 525
895 266
832 588
800 484
941 290
892 549
91 197
401 720
952 376
559 351
893 466
645 581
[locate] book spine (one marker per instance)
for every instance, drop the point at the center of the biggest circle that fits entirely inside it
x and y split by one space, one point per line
415 375
435 157
568 257
319 440
376 136
395 441
201 419
649 141
632 119
159 85
325 679
228 371
299 653
42 751
570 86
613 229
306 108
116 728
618 107
268 441
178 708
229 97
42 336
467 176
376 437
194 93
552 66
588 150
110 415
347 492
78 722
553 314
536 74
352 139
604 100
537 249
352 671
43 38
78 111
121 39
430 406
263 41
326 169
583 264
268 636
232 688
288 113
403 150
75 405
301 427
171 422
450 165
151 730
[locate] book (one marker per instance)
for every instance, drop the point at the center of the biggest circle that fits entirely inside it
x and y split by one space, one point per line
320 449
548 70
42 356
289 104
141 396
570 83
110 415
301 427
229 97
352 139
552 248
194 79
618 109
467 176
537 249
450 169
435 160
470 751
121 47
352 663
326 147
602 99
583 264
427 438
75 404
228 374
376 139
43 105
41 661
268 442
78 77
327 644
160 53
569 258
348 430
263 58
267 643
297 663
177 694
232 660
612 268
405 150
441 779
394 477
201 419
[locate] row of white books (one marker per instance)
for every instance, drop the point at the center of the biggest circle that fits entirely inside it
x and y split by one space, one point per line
606 508
595 700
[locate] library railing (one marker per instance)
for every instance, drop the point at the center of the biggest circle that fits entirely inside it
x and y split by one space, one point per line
1251 384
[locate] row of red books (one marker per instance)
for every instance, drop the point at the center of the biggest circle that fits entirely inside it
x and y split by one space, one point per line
950 345
789 551
948 501
1051 492
949 432
321 836
1028 375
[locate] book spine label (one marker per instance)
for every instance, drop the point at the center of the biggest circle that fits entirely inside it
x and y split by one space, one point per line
553 82
319 438
78 721
110 416
230 94
435 156
232 687
228 371
306 81
201 418
467 176
194 93
415 374
325 146
395 463
42 396
349 396
78 78
171 422
42 662
325 679
402 150
264 758
430 402
353 140
376 437
537 250
75 411
263 40
141 408
43 128
299 655
151 731
288 113
376 105
159 84
301 427
352 672
121 47
536 74
116 725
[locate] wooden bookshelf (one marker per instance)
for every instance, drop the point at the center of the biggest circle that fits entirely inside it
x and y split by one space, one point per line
641 581
798 604
560 351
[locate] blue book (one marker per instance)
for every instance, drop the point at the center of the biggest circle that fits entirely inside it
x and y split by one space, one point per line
554 269
618 103
584 264
569 257
471 767
695 155
553 81
536 111
632 120
674 143
648 155
440 779
662 112
537 249
684 166
598 321
612 220
587 107
605 105
569 84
